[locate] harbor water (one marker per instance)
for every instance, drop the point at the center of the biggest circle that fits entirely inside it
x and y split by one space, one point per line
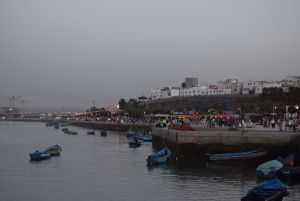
93 167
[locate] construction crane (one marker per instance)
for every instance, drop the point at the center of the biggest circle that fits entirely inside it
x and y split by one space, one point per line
12 100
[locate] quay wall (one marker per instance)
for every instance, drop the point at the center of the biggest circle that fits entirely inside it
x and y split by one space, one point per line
120 127
196 144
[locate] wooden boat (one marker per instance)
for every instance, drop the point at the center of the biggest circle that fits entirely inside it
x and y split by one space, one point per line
134 144
90 132
291 168
130 133
71 132
103 133
160 157
54 150
272 190
147 138
268 169
39 155
236 155
64 129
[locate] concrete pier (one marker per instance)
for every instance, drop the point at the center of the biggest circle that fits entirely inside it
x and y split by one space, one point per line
196 144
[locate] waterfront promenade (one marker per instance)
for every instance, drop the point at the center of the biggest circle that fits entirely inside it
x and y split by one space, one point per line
215 140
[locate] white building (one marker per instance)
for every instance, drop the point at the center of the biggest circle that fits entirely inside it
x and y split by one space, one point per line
232 84
204 90
166 92
292 81
272 85
252 87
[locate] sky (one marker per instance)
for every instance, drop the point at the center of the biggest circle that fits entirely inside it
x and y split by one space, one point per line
67 53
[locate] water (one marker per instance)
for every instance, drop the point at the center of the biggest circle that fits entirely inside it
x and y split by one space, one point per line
105 168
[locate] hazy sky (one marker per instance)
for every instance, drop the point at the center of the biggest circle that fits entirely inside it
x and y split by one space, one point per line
65 53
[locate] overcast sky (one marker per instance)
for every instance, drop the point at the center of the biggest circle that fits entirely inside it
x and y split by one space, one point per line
66 53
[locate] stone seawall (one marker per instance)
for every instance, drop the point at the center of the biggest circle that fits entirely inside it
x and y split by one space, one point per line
196 144
120 127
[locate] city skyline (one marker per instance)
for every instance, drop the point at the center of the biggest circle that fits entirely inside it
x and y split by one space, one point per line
65 54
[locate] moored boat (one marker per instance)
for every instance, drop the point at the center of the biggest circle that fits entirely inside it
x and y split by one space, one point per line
64 129
54 150
268 169
233 156
134 143
130 133
71 132
90 132
160 157
272 190
291 169
147 138
39 155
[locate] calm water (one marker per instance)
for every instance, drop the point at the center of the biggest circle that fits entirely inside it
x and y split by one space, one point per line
105 168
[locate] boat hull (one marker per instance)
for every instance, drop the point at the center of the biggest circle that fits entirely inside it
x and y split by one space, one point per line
161 157
237 156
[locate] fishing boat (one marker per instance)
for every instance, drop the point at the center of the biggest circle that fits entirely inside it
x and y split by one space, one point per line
134 143
272 190
90 132
147 138
268 169
236 155
64 129
130 133
103 133
160 157
39 155
54 150
291 168
71 132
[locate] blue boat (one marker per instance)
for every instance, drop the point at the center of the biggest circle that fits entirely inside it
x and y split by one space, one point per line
269 169
160 157
291 170
236 155
147 138
39 155
272 190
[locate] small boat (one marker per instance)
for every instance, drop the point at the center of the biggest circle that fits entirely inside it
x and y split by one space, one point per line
39 155
272 190
56 126
134 143
103 133
291 169
90 132
147 138
160 157
269 169
130 133
71 132
64 129
54 150
247 155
